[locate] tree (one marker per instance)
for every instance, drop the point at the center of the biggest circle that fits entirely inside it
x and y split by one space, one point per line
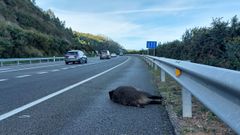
50 13
34 2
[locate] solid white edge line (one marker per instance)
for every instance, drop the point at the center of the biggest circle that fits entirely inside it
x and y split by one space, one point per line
24 107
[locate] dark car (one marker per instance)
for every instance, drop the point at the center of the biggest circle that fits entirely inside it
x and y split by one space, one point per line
105 54
75 56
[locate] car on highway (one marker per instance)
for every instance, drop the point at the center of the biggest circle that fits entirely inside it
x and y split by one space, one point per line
105 54
113 55
121 54
75 56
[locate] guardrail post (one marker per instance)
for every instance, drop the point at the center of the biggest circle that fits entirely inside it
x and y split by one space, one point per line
30 61
155 66
150 63
53 58
163 76
147 62
186 103
18 62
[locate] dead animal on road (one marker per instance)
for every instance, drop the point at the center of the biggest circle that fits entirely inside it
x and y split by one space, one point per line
130 96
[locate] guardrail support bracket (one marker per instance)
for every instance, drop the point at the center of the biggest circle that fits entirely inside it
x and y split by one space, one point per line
155 66
186 103
163 76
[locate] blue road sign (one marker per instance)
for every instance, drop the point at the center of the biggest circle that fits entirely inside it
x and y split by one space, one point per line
151 44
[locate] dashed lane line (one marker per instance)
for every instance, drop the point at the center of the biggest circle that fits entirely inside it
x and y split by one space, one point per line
73 67
13 70
2 80
31 104
55 70
1 69
64 68
22 76
41 73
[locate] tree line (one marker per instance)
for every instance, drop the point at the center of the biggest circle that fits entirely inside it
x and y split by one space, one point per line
217 45
98 42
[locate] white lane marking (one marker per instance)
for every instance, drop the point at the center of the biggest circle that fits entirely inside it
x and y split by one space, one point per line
73 67
64 68
22 76
13 70
55 70
41 73
88 64
4 69
24 116
29 105
2 80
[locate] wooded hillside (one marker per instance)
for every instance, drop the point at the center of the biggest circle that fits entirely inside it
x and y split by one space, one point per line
28 31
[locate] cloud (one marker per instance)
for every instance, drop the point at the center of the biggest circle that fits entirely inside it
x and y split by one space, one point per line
160 9
137 39
96 23
119 28
132 23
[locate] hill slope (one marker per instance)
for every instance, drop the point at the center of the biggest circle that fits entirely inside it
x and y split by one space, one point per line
28 31
98 42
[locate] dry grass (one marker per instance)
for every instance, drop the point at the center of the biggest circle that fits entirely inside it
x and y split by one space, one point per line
203 121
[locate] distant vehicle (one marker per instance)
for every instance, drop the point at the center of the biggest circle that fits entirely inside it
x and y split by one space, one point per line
113 55
105 54
75 56
121 54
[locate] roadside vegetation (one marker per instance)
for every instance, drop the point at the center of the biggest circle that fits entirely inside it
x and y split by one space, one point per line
28 31
217 45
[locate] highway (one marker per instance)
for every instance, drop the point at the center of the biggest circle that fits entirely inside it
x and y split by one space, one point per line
58 99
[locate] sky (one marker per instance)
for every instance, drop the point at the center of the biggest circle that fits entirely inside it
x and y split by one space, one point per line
133 22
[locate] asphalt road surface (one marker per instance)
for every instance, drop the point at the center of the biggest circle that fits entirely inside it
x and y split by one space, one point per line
54 98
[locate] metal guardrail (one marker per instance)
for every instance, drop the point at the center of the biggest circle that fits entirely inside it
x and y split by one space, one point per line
217 88
19 61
